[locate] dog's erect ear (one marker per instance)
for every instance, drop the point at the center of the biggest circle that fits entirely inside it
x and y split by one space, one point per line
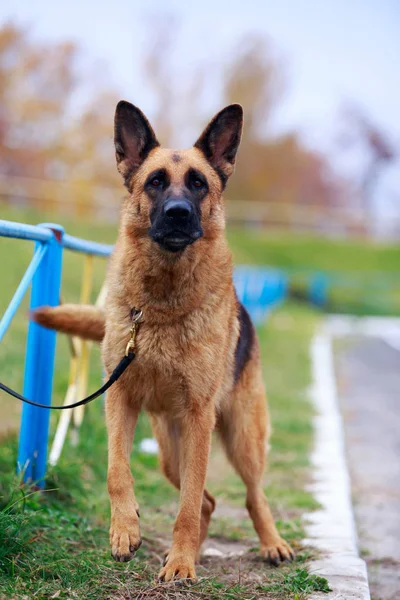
133 138
220 140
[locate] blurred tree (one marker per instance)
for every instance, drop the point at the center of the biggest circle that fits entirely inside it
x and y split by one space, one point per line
176 86
35 88
255 79
85 156
271 169
40 136
363 131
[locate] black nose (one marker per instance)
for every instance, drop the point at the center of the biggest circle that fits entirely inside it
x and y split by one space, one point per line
177 209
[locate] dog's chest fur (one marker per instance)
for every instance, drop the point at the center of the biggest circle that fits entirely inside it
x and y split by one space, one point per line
185 346
177 364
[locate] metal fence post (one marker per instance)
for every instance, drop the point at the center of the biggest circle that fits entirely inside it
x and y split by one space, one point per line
39 364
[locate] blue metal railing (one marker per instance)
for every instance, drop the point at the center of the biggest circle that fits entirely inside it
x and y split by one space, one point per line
39 361
44 273
78 245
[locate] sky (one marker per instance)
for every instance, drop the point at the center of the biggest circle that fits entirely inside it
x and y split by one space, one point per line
335 52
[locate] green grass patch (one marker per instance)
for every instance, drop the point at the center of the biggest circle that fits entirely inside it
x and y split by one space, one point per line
299 584
290 251
362 277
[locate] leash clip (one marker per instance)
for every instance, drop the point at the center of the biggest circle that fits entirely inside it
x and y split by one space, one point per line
136 315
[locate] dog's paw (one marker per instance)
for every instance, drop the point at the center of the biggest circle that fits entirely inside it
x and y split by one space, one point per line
277 552
166 554
177 566
125 538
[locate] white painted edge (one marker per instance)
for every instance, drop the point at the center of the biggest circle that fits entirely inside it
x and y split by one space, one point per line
332 528
149 446
386 328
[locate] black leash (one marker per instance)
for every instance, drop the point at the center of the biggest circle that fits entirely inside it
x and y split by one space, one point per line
115 375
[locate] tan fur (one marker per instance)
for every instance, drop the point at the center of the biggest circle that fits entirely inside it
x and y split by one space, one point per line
86 321
183 372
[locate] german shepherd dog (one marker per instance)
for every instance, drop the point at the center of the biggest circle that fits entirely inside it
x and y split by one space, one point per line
197 364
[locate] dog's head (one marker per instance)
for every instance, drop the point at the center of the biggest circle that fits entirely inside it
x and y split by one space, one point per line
175 195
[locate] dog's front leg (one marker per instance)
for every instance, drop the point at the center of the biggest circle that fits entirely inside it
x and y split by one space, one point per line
121 419
196 429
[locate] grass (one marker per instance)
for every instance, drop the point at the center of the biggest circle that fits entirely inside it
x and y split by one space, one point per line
290 251
55 544
362 278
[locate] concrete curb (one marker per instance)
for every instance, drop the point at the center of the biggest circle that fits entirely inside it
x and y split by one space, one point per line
332 528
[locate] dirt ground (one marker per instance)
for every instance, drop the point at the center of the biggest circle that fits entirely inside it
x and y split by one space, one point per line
368 372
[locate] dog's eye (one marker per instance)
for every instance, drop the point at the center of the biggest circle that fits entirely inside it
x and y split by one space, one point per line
196 181
156 182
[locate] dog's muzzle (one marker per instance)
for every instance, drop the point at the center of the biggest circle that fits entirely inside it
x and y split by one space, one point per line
176 225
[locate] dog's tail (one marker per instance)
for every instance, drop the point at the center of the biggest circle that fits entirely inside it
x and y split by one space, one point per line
82 320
